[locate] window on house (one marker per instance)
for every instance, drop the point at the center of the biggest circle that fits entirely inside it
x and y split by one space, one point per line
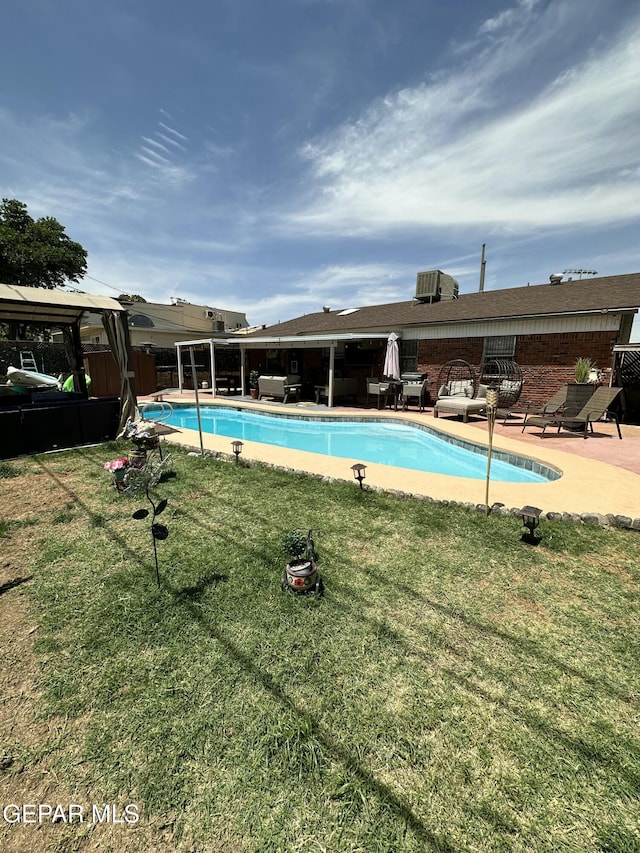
499 346
140 321
408 356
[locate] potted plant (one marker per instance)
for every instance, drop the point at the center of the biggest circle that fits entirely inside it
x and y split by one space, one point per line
119 468
301 572
579 392
253 384
582 370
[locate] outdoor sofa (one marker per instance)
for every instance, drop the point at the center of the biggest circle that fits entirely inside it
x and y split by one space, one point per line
279 387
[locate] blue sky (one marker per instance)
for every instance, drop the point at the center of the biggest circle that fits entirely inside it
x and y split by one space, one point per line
275 156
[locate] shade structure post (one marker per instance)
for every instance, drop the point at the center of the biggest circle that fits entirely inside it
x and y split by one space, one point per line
332 362
212 358
179 354
195 387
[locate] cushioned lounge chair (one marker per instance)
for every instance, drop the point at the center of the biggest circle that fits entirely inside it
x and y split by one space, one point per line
456 399
593 411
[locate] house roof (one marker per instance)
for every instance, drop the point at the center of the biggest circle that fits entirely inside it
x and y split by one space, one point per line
608 293
40 305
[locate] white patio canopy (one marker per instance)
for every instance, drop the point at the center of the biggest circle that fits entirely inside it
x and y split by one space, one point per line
331 342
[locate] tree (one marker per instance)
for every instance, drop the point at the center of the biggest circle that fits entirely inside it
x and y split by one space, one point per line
133 297
36 253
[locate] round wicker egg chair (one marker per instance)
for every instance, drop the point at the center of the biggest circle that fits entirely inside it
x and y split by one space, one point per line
507 376
456 376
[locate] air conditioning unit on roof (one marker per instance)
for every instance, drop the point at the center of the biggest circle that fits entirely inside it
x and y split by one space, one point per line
433 285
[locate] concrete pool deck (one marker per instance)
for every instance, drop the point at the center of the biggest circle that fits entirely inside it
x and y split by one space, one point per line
600 475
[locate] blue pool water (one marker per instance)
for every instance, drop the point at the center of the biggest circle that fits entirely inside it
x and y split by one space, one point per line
388 443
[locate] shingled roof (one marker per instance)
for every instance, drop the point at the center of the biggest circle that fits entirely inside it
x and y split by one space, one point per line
611 293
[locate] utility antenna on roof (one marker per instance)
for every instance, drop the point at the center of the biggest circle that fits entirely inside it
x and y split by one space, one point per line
580 272
483 265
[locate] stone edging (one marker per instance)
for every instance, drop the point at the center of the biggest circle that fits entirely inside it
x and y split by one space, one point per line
623 522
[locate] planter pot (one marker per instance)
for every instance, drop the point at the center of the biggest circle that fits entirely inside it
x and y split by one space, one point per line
138 458
118 479
254 393
301 576
578 395
148 443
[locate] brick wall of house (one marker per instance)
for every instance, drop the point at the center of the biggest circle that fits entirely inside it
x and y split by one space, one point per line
546 361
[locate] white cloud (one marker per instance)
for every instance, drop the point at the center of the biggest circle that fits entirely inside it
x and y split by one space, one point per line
173 131
514 16
447 154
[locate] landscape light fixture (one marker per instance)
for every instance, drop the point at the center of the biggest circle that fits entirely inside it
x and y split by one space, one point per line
237 449
530 516
358 472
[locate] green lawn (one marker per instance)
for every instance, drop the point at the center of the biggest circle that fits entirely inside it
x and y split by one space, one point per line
454 690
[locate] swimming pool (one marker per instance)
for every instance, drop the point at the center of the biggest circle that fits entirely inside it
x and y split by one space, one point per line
363 440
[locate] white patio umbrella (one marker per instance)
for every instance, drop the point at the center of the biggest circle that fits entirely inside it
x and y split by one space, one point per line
392 358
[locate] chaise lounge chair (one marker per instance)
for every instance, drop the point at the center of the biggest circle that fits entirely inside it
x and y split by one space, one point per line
553 406
594 410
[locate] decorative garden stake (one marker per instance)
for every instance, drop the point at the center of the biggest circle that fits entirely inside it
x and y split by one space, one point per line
237 449
158 531
492 397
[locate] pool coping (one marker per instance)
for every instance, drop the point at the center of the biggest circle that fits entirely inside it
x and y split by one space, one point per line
517 460
604 493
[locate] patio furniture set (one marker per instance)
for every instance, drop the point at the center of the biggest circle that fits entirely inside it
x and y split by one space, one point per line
393 392
461 392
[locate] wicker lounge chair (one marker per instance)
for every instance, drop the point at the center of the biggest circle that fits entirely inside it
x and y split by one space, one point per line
505 375
594 410
459 392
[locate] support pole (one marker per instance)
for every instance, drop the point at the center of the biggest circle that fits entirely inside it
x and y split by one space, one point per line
212 355
179 354
195 386
332 361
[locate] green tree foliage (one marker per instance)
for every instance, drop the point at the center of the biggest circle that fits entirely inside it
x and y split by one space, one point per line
36 253
133 297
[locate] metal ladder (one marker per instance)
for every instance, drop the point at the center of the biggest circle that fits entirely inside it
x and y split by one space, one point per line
27 361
